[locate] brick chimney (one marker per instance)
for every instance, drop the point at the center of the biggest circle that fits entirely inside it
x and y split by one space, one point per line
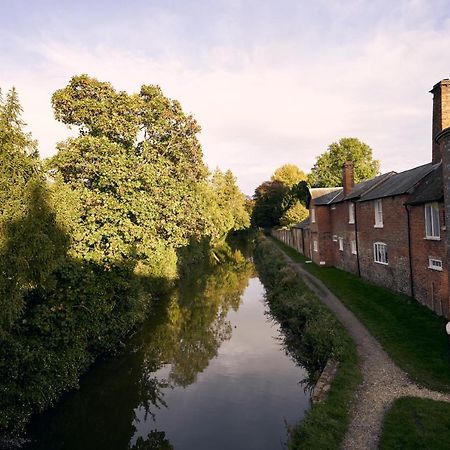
348 180
441 114
443 139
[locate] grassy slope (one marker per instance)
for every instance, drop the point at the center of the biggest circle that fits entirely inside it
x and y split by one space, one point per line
414 423
413 335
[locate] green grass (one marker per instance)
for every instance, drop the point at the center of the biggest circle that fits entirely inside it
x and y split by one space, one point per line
326 423
315 336
414 423
414 336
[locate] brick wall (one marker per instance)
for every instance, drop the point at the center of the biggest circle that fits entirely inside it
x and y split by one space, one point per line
321 232
341 228
396 274
430 286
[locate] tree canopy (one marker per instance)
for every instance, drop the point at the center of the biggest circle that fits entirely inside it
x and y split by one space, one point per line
283 196
89 237
289 175
327 171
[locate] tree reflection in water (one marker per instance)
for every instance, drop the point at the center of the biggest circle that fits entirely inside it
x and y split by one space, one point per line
174 345
195 327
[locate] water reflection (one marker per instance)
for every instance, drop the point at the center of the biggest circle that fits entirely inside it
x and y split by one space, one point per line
203 372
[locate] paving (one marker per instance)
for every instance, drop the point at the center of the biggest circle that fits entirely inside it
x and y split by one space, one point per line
383 382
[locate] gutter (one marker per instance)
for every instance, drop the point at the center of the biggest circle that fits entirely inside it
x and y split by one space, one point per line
356 239
411 277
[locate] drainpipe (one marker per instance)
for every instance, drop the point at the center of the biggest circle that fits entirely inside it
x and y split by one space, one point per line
411 276
356 240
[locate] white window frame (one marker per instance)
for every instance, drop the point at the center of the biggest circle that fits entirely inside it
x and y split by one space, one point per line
351 212
378 208
334 238
432 225
315 246
341 244
435 264
313 215
380 254
353 246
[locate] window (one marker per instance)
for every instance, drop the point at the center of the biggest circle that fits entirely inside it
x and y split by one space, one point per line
435 264
313 215
351 213
341 244
380 253
432 230
315 246
334 238
333 206
378 214
353 246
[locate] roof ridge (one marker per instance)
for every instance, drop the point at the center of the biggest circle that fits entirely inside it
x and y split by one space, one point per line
385 176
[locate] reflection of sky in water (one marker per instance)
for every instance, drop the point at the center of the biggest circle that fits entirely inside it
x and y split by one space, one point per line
240 386
244 396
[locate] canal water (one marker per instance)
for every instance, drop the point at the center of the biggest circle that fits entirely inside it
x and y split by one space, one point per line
208 370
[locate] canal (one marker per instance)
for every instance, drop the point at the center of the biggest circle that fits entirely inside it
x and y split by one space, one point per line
207 370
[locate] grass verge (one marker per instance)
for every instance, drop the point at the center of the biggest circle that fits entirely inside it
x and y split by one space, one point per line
413 335
414 423
313 335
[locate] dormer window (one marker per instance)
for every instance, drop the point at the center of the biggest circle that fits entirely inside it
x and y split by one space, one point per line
351 212
378 213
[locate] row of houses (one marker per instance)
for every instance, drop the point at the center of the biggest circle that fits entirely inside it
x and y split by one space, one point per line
390 230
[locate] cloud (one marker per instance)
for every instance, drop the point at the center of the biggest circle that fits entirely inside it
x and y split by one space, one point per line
264 102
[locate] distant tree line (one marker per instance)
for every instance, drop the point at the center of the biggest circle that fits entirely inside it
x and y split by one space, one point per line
91 236
281 201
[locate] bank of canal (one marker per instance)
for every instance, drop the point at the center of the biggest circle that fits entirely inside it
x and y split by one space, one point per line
208 370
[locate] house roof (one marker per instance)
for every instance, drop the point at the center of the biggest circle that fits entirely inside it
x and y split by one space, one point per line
399 183
429 189
303 224
325 195
365 187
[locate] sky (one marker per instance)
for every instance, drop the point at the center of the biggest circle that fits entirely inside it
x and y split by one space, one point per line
270 82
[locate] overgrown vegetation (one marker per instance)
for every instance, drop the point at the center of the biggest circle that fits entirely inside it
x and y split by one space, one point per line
89 238
281 201
313 335
413 335
414 423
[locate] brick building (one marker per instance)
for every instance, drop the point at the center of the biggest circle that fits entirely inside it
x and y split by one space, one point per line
389 230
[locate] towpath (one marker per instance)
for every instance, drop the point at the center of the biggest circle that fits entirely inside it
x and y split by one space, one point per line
383 382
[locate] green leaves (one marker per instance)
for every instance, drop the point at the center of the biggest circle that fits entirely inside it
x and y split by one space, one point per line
327 172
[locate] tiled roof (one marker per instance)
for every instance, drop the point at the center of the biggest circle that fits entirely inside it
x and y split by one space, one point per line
314 193
324 196
399 183
363 188
303 224
430 189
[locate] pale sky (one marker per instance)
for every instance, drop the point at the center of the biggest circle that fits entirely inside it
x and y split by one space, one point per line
270 82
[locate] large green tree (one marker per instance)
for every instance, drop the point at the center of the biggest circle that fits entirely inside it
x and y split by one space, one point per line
280 200
230 200
327 171
137 168
269 200
289 175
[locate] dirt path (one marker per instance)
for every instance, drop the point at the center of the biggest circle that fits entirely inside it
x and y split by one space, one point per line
383 382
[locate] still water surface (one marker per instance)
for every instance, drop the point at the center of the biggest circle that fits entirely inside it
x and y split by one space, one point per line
206 371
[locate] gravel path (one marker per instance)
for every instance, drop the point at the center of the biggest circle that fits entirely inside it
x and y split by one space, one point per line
383 382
